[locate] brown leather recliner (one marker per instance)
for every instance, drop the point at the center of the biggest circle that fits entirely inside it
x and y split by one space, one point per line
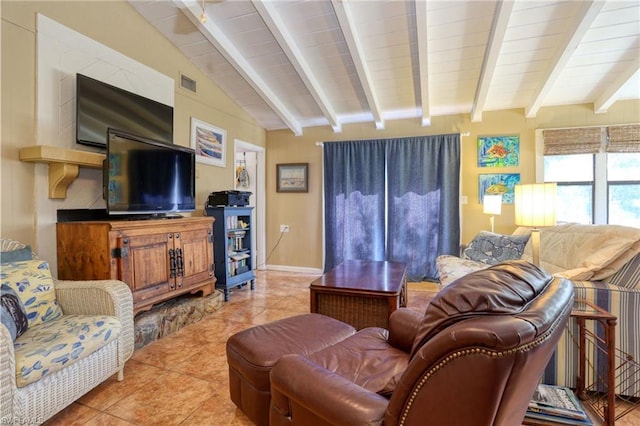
474 358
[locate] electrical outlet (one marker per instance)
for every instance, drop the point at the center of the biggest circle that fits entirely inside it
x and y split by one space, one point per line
284 228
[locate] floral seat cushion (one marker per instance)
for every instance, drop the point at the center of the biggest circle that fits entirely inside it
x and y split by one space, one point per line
50 346
450 268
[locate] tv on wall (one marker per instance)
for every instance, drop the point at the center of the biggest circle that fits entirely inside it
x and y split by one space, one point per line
146 176
100 106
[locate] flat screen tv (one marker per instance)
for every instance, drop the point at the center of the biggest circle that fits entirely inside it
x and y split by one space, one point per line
100 105
143 176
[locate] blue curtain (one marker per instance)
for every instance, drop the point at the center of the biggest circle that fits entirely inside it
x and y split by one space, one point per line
417 179
354 186
423 181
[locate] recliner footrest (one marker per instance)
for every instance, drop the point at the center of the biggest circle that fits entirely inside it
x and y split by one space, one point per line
252 352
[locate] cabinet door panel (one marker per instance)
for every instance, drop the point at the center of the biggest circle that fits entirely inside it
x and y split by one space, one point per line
148 263
197 256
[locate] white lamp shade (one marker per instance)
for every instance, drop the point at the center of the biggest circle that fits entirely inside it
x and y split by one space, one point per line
492 204
535 204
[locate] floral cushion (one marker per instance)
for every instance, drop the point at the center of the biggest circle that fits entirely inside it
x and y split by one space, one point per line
32 282
450 268
48 347
490 248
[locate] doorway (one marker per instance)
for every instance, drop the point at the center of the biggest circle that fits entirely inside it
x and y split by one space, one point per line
250 176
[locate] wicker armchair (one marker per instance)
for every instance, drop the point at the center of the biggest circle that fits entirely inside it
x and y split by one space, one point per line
38 401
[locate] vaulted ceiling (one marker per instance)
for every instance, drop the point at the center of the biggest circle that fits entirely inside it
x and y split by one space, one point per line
296 64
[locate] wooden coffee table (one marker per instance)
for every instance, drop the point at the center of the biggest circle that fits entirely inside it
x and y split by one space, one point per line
362 293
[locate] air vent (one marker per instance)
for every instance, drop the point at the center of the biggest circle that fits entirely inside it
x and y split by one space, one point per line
187 83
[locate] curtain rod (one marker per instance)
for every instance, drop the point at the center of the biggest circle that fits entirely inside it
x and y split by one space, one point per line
318 143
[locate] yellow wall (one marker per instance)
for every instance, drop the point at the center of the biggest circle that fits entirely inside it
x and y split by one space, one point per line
119 26
302 246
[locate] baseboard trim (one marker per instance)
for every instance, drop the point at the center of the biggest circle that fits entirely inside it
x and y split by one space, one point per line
299 269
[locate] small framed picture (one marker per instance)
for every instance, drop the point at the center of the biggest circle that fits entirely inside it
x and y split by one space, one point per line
498 151
292 177
209 142
498 183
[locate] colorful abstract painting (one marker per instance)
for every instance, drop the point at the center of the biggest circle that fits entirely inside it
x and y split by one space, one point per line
498 183
498 151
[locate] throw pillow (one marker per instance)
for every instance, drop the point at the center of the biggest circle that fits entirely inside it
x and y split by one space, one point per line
12 313
32 282
490 248
16 255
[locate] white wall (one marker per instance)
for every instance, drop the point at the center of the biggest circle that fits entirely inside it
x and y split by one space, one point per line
61 53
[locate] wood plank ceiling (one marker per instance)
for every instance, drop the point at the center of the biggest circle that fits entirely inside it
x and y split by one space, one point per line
296 64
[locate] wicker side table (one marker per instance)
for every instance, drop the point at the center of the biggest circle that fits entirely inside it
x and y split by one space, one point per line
362 293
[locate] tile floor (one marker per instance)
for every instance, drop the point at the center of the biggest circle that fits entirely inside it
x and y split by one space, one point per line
182 379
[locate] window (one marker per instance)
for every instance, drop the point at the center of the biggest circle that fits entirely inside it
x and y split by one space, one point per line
598 176
623 184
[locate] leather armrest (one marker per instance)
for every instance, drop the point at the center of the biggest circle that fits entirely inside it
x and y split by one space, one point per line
403 327
324 393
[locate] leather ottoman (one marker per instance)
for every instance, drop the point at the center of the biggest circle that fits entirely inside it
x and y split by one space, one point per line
252 352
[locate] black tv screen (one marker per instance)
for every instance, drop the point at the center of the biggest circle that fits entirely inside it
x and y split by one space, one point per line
100 106
145 176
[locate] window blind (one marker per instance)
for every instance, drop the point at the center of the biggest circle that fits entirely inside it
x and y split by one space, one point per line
585 140
624 138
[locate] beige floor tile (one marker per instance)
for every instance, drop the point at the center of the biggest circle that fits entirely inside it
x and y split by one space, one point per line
167 400
136 377
104 419
75 414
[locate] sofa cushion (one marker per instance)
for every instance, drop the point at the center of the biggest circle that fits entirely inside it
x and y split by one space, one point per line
366 359
586 252
50 346
450 268
32 282
488 247
12 313
628 276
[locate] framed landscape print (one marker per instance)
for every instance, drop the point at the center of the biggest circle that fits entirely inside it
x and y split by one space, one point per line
209 142
498 151
498 183
292 177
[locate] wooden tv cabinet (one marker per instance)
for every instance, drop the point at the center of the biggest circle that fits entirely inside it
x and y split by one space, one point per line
159 259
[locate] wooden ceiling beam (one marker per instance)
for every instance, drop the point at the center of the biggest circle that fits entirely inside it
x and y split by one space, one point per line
193 10
589 13
496 38
345 20
423 60
610 93
287 43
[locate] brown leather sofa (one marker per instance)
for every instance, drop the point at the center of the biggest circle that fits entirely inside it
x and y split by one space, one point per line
474 358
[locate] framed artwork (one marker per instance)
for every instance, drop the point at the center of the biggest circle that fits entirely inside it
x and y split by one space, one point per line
498 151
292 177
209 142
498 183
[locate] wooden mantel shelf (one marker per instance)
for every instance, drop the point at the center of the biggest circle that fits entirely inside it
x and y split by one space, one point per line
64 165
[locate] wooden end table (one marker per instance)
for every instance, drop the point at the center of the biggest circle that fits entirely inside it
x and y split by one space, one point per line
362 293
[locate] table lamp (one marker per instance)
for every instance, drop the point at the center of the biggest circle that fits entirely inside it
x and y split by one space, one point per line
535 206
492 204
